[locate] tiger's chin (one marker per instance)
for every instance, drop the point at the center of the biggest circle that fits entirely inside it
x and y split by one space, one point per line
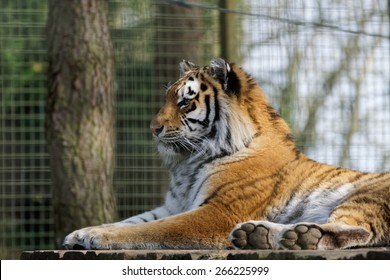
167 150
170 152
173 154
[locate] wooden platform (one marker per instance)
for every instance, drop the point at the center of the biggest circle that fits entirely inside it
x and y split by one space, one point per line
352 254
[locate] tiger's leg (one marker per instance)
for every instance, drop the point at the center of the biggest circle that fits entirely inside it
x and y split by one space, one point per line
369 208
363 219
152 215
267 235
203 228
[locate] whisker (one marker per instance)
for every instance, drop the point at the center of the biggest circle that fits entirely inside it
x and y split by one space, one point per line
181 142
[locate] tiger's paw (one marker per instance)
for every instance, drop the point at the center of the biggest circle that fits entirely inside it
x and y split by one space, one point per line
97 238
301 237
267 235
255 235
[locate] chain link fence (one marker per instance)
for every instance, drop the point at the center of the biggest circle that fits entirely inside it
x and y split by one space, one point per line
325 65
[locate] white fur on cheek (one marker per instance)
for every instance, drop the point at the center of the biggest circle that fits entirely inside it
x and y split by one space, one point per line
189 90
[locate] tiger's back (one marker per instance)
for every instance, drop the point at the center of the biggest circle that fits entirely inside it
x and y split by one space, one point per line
234 168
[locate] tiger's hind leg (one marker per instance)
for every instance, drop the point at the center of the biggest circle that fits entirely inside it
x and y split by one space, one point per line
302 236
361 220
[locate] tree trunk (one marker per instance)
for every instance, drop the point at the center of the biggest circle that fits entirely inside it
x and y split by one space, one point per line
80 114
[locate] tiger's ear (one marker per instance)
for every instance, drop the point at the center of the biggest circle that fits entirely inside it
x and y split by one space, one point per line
219 70
222 72
186 66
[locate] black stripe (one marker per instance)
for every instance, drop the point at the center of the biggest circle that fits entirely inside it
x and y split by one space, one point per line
191 120
203 123
218 156
366 200
253 183
233 83
372 227
155 217
328 173
188 125
285 171
219 188
194 173
193 108
216 104
206 120
357 176
378 176
257 134
202 184
228 138
173 194
250 81
273 114
197 97
297 153
191 92
289 138
213 132
251 111
176 197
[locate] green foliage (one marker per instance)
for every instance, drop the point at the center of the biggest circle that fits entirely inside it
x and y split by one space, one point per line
22 55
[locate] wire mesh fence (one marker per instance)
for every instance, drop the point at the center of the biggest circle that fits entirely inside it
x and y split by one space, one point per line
325 65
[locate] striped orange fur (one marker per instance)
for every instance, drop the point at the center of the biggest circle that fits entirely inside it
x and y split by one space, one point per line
237 179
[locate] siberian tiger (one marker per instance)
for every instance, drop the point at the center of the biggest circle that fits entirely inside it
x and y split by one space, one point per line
237 179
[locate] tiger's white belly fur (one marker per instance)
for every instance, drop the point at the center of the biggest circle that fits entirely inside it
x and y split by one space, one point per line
314 207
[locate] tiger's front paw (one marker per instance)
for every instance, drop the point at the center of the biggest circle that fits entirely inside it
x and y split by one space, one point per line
97 238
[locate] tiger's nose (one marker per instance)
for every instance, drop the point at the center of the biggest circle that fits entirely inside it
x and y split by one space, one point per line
156 128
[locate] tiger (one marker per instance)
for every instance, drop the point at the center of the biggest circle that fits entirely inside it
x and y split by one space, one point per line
238 180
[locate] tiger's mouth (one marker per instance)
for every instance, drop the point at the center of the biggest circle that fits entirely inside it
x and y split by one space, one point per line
176 143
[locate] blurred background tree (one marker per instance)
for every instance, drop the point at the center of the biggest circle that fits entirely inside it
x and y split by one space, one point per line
80 119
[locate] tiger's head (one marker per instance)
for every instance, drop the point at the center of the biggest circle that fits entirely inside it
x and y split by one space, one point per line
212 111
